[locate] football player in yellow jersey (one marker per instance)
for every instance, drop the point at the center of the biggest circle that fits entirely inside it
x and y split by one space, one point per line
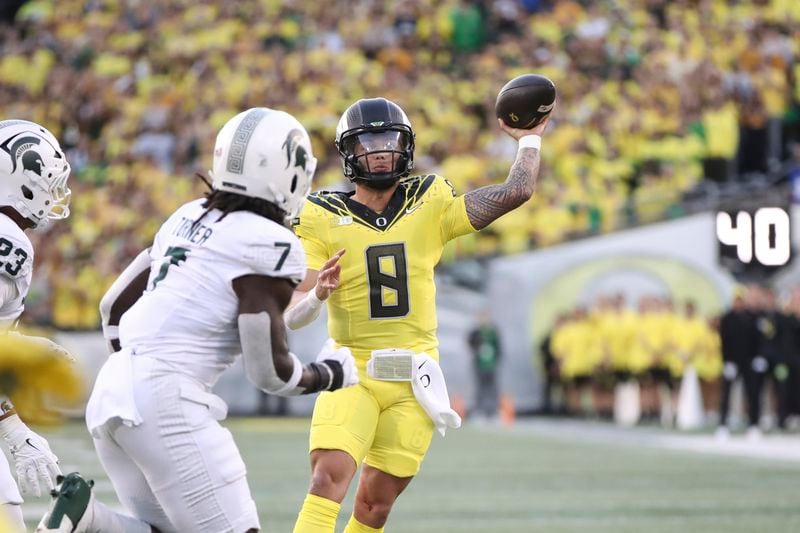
381 296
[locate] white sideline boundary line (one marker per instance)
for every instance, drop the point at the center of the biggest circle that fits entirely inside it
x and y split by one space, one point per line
771 447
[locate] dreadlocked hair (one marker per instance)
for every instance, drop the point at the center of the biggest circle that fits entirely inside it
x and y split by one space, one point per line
228 202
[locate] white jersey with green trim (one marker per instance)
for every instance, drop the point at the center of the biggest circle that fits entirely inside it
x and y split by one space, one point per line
188 314
16 269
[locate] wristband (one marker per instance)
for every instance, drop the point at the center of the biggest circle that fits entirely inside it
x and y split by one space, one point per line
337 374
530 141
110 332
316 385
329 380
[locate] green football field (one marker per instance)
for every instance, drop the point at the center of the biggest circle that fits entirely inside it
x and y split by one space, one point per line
494 479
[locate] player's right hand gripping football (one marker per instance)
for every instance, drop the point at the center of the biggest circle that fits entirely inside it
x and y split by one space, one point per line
340 363
517 133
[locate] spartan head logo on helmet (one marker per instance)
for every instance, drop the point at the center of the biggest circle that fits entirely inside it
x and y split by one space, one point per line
23 149
32 160
295 153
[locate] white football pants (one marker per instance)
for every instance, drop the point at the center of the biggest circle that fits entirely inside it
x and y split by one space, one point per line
179 470
9 492
10 498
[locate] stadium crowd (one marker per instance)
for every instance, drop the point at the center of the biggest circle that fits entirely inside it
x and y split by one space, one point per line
653 95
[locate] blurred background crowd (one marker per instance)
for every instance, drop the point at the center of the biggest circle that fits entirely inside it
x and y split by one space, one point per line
653 96
612 341
591 351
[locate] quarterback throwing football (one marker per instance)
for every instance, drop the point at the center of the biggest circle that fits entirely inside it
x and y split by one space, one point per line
393 230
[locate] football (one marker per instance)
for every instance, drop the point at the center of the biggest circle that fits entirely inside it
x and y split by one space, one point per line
525 101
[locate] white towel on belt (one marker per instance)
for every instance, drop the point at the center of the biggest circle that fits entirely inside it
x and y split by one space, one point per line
431 393
112 396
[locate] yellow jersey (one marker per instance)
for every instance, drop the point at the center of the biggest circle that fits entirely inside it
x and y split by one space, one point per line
386 296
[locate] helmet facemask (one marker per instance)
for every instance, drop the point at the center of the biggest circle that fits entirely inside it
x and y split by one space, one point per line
377 156
52 189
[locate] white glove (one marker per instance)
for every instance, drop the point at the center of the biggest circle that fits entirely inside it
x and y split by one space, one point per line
347 363
32 456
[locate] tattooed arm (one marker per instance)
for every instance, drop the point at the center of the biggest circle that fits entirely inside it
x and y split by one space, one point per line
487 204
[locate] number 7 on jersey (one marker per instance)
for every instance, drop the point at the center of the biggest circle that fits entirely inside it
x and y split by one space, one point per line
175 256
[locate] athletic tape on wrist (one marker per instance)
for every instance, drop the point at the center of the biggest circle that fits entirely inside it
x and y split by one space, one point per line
531 141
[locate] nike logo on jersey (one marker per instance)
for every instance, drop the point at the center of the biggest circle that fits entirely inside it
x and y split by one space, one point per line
412 209
29 443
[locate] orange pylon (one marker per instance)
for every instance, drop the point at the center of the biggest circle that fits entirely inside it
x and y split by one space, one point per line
507 411
458 405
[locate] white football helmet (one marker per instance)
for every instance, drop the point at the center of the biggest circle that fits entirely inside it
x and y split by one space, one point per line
265 153
33 172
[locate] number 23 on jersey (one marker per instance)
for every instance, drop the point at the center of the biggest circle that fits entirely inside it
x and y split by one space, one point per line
11 259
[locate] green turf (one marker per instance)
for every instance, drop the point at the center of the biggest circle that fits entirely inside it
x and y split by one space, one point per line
496 480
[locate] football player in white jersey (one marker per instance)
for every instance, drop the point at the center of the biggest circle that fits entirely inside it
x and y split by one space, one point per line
33 189
214 284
